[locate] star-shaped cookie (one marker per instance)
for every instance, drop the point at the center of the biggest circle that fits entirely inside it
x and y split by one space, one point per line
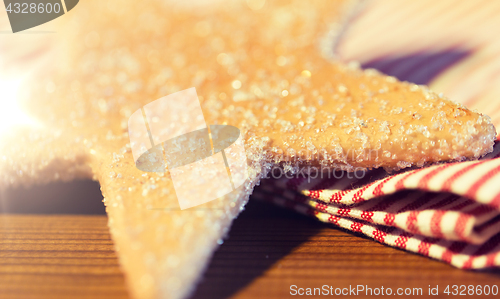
256 66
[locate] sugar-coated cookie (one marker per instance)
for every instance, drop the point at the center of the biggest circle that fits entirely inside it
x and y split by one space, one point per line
256 66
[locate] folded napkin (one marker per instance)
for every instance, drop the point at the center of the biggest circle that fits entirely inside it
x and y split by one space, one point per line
450 212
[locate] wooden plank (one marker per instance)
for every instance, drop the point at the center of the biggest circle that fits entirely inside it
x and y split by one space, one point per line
58 256
268 250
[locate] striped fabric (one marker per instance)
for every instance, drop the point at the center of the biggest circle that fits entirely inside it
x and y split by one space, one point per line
449 212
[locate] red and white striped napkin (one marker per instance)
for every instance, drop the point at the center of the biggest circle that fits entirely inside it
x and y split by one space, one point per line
450 212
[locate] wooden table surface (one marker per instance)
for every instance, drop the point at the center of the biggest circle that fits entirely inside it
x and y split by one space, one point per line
269 249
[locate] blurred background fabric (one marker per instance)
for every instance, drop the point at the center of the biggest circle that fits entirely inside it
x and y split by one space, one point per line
452 46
